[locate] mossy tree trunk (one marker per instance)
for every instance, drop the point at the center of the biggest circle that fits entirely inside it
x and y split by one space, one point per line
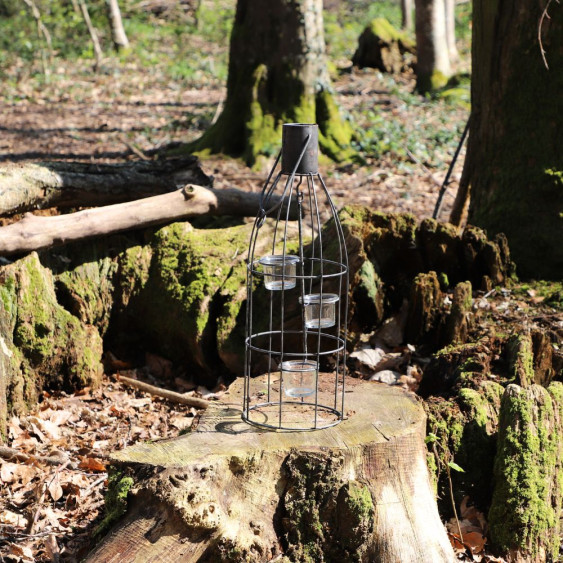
514 162
277 73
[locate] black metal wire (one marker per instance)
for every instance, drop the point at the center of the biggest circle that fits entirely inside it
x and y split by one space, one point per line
446 181
313 271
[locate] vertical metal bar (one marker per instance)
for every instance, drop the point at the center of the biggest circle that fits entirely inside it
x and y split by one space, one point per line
320 239
346 285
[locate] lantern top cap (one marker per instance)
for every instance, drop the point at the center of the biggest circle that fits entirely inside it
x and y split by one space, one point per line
300 148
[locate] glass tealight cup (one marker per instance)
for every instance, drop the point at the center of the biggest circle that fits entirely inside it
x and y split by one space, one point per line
319 309
279 271
299 377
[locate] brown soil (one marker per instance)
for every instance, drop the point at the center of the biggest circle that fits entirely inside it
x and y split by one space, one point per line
111 119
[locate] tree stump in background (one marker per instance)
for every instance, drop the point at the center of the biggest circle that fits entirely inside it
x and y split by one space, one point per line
383 47
359 491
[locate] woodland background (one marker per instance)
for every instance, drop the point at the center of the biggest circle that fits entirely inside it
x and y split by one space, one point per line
66 101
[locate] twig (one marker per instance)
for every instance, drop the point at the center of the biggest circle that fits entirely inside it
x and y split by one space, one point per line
95 484
544 15
10 454
165 393
421 164
453 501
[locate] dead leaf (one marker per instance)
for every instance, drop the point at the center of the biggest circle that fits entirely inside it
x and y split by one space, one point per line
181 422
91 464
475 541
22 551
17 473
55 489
13 519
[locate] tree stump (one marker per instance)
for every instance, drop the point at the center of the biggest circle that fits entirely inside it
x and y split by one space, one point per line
228 491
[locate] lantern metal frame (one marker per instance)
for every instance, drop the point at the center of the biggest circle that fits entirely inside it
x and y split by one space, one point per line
305 189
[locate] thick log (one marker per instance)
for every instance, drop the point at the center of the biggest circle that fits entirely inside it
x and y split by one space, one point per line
25 187
358 491
36 232
525 514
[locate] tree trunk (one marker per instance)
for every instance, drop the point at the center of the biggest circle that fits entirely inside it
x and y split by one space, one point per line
277 73
228 492
433 62
118 34
407 8
514 161
450 30
60 184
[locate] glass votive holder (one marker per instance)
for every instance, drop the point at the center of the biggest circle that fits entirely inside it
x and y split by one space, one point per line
319 309
299 377
279 271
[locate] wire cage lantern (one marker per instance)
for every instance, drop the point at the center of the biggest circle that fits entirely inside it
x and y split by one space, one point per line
297 296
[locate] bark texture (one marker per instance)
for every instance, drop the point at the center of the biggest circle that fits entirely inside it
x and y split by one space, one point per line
229 492
26 187
118 34
277 73
433 62
35 232
514 164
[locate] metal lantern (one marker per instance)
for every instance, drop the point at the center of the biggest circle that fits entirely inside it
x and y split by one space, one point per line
297 296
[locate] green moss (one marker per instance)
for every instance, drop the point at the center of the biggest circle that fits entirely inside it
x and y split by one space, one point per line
522 515
465 428
520 359
335 133
59 349
8 296
359 501
381 27
119 486
88 289
194 278
431 83
444 281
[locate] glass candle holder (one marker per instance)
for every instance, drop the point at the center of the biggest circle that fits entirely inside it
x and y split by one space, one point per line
279 271
319 309
299 377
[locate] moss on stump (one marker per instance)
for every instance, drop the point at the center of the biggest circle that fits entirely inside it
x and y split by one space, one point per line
525 511
383 47
43 344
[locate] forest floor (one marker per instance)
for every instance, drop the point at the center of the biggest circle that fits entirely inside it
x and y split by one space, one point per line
49 511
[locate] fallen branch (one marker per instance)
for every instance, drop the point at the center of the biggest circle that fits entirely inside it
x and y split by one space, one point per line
37 232
26 187
165 393
10 454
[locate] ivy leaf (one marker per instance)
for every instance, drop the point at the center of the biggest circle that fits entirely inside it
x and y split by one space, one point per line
430 438
455 467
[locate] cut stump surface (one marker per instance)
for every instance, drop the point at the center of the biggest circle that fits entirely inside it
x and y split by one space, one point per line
229 491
